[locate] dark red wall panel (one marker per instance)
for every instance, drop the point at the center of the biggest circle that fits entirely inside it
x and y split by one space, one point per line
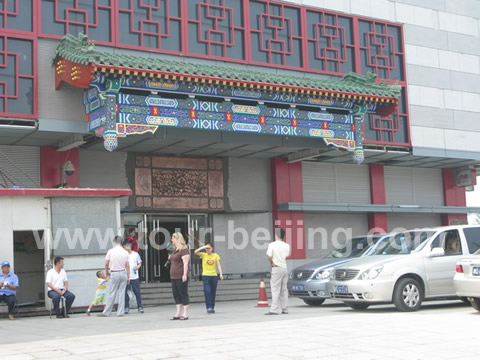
453 196
51 162
287 186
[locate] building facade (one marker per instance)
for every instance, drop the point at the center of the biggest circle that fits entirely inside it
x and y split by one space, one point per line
328 118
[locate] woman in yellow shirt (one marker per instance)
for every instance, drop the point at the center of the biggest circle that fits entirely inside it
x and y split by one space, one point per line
210 262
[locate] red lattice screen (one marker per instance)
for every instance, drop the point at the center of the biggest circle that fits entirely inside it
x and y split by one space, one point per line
95 18
18 59
216 29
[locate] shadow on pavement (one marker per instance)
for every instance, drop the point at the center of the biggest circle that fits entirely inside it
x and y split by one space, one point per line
426 306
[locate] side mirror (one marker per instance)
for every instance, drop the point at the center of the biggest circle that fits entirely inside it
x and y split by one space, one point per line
436 252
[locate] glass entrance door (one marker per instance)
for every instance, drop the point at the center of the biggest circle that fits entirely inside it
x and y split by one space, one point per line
198 235
154 233
159 231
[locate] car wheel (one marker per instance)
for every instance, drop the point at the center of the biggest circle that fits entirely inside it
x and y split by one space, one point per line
357 306
314 302
408 295
476 303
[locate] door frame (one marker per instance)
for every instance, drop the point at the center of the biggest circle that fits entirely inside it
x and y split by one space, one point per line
48 251
192 226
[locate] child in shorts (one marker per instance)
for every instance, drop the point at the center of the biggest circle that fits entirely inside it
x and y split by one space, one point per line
101 293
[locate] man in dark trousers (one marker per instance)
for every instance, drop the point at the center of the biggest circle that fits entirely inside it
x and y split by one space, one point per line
57 282
8 288
135 263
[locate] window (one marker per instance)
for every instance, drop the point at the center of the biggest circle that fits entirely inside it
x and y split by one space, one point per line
151 25
16 15
331 46
473 239
275 34
17 59
16 76
91 17
449 241
381 49
403 243
217 28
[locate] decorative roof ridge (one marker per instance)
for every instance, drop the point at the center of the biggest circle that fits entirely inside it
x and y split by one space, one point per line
83 51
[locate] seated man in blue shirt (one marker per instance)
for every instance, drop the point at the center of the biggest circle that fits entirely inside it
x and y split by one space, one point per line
8 288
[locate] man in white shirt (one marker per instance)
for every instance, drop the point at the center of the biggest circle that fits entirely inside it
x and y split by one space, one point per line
116 264
277 253
135 263
57 282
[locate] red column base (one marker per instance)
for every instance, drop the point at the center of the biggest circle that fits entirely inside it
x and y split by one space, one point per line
293 223
377 223
454 219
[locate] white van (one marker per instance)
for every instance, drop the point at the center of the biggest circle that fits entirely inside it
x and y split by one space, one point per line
413 266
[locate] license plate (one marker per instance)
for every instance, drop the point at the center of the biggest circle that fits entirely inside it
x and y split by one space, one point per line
476 271
297 287
341 289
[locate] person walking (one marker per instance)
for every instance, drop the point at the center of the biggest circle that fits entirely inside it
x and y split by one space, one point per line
117 266
179 263
57 282
8 288
277 253
135 263
210 262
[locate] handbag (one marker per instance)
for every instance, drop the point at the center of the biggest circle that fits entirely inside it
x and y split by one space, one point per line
132 299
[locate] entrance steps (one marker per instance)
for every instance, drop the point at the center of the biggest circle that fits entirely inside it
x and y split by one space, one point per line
227 290
161 294
31 309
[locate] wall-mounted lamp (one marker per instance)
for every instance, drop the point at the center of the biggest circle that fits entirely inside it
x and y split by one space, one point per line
67 170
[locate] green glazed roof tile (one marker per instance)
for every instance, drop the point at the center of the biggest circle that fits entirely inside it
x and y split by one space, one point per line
82 51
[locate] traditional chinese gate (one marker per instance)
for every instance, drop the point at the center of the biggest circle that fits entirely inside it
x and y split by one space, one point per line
131 95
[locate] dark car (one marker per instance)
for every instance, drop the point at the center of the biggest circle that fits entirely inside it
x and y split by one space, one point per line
309 281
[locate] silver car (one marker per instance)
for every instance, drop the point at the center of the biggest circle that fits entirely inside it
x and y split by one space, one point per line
309 281
412 266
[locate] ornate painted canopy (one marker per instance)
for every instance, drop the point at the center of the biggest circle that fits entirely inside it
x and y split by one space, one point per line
127 95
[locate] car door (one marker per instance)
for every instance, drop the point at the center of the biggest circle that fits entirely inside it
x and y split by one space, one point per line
440 270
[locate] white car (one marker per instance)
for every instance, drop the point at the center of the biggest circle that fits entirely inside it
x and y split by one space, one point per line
411 267
467 277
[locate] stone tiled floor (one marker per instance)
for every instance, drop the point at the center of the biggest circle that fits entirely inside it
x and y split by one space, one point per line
441 330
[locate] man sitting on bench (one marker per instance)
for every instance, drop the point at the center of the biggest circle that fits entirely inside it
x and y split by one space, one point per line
58 283
8 288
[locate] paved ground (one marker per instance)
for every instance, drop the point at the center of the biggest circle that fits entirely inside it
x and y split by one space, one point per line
238 330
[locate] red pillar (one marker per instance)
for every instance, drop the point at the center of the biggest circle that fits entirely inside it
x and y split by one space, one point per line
377 221
51 162
453 196
287 186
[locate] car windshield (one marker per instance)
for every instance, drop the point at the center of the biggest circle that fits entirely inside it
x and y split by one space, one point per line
403 243
354 247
